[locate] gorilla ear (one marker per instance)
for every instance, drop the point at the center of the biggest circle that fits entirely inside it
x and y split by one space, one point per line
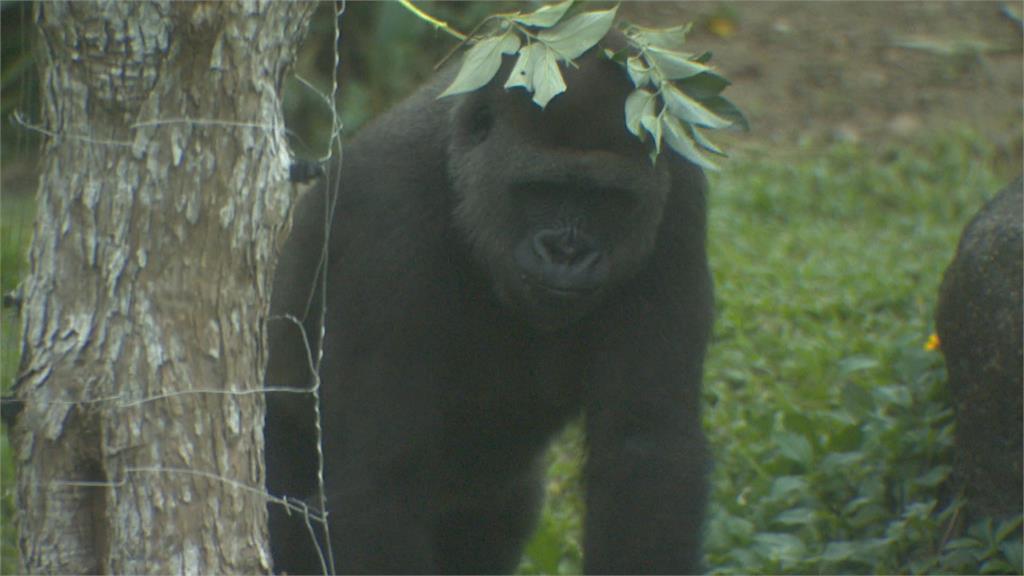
473 121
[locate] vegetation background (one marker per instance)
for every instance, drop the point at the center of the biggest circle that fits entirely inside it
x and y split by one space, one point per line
878 129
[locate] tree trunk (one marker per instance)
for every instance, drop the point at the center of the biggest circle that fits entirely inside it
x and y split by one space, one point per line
162 201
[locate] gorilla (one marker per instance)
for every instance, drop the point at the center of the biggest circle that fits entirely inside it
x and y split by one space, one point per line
492 270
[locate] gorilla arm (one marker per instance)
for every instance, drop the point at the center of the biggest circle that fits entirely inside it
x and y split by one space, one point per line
646 473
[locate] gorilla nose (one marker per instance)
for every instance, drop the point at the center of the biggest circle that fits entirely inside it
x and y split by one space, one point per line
567 248
566 262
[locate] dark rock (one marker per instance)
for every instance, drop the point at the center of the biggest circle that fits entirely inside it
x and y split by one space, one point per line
979 322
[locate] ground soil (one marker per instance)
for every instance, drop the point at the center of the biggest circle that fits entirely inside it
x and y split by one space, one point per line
863 71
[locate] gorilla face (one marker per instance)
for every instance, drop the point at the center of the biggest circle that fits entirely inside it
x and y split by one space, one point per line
557 223
571 243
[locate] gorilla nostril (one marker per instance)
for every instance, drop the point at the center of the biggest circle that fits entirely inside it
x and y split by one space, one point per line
589 259
564 247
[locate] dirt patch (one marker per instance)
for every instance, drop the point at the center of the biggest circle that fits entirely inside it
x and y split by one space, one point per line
862 71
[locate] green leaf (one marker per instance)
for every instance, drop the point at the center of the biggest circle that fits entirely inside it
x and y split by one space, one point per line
1013 551
537 71
785 487
677 138
840 551
702 141
856 399
853 364
934 477
547 79
996 566
860 552
704 85
723 108
545 16
795 447
639 73
522 73
667 38
688 109
617 57
481 63
545 548
1007 527
856 505
578 34
964 544
652 124
638 104
892 396
674 65
797 517
703 58
781 547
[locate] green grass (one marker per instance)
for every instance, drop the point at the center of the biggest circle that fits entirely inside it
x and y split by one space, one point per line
829 420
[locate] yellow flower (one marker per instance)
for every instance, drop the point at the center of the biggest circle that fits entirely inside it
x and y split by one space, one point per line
722 27
933 343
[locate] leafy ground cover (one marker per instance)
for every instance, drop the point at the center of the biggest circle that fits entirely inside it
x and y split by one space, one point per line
829 419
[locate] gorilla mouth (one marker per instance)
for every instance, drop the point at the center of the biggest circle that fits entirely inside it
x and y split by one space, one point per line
547 291
561 293
551 307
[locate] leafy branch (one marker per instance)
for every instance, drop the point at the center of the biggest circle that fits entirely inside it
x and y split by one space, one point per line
676 96
542 39
687 89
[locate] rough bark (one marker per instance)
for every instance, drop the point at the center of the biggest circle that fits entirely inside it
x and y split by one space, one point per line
163 198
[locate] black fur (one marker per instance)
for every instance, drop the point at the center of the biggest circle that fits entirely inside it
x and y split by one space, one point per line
493 270
302 171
